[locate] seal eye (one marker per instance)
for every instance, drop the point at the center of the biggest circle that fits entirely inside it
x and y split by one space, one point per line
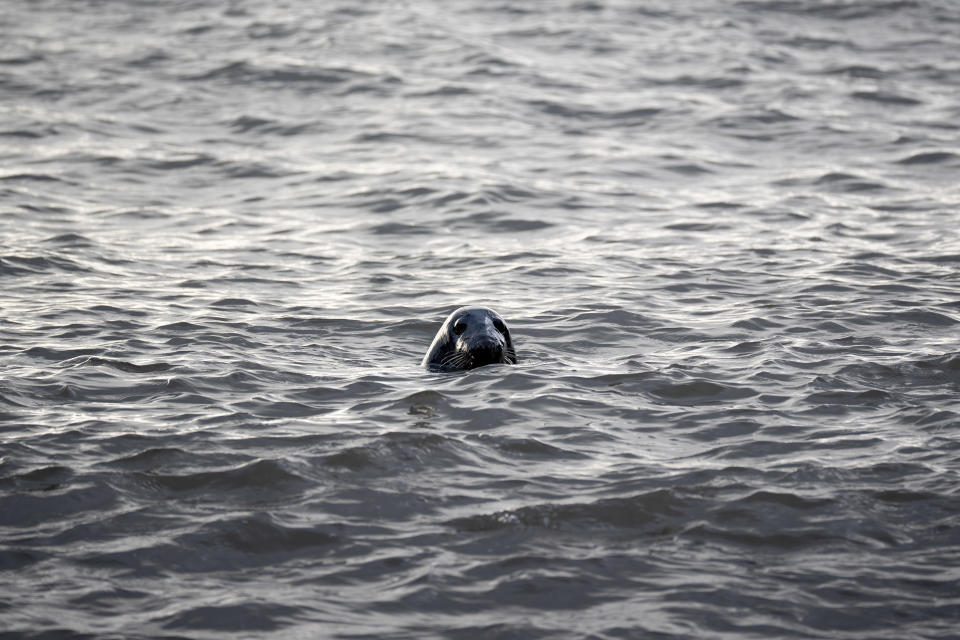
499 326
459 327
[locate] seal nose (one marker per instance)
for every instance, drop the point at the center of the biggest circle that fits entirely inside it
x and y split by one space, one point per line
486 350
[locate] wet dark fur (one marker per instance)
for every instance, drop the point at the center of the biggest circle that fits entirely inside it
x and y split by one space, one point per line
470 337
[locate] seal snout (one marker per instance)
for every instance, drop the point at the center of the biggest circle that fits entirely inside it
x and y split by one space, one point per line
484 349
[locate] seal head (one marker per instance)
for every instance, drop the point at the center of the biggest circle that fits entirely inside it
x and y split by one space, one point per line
470 337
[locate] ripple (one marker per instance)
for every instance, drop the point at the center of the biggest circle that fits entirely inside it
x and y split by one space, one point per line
402 451
262 477
26 510
122 365
531 447
696 392
244 72
632 116
884 97
642 512
252 616
260 535
929 157
16 265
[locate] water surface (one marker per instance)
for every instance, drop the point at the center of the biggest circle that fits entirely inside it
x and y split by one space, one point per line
724 235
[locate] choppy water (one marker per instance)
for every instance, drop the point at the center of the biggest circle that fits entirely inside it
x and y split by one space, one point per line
725 235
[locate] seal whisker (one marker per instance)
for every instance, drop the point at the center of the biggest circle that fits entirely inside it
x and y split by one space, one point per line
454 361
452 357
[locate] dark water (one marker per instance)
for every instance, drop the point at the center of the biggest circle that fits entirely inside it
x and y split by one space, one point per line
725 235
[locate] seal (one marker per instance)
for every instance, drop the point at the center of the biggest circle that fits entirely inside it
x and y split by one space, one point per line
470 337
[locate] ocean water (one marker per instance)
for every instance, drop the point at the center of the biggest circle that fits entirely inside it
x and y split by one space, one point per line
724 234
